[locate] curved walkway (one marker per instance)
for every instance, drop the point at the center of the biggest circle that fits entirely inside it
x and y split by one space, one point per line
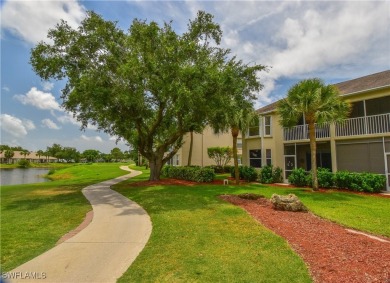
101 252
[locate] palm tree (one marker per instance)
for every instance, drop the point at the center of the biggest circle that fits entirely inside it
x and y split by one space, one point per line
40 153
317 103
8 154
237 112
24 152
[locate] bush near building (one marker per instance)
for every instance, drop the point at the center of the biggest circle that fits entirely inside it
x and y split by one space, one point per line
191 173
359 182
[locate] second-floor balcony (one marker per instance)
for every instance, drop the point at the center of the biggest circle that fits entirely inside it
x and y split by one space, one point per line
301 132
367 125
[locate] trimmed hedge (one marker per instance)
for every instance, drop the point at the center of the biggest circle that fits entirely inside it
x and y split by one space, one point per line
268 175
360 182
220 169
247 173
193 173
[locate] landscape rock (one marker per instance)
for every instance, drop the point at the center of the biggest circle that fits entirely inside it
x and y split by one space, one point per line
289 203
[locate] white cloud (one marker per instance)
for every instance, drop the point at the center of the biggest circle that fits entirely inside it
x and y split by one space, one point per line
50 124
15 126
5 88
31 20
39 99
47 86
68 118
307 39
92 139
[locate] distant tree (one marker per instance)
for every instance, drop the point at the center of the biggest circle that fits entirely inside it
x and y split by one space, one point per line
117 154
69 154
91 155
54 150
8 154
47 155
317 103
4 147
106 157
40 153
221 155
25 152
148 86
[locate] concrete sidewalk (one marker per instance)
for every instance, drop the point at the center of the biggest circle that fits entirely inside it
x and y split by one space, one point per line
101 252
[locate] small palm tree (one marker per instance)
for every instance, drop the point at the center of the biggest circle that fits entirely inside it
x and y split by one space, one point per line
318 103
236 111
40 153
24 152
8 154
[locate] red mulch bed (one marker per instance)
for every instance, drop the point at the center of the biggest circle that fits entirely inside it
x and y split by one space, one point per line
322 190
331 252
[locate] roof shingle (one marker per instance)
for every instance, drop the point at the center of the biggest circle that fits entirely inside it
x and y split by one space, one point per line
365 83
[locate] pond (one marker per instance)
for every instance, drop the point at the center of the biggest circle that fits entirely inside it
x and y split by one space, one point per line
17 176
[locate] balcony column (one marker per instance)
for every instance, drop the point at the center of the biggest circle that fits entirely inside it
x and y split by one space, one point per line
333 153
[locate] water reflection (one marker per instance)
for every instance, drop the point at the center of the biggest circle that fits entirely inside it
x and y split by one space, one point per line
22 176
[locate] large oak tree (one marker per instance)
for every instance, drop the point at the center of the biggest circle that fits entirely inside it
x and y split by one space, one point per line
148 85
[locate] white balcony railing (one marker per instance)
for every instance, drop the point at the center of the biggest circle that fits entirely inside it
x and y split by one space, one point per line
368 125
301 132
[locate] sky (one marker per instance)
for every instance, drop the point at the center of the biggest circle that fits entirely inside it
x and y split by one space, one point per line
333 40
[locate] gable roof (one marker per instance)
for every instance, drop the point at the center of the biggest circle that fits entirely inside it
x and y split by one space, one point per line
365 83
373 81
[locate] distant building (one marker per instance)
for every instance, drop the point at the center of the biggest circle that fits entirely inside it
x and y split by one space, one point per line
32 157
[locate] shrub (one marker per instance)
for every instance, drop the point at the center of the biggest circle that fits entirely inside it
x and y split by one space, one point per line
265 175
249 174
228 168
325 178
221 155
299 177
193 173
268 174
24 163
341 179
277 175
220 169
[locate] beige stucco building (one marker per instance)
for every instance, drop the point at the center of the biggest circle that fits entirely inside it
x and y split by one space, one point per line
31 156
360 144
199 150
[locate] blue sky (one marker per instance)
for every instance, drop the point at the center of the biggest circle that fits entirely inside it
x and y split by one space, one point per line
333 40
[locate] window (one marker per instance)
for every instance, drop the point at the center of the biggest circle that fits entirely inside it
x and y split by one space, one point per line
378 106
357 109
239 143
268 157
174 160
255 158
254 129
267 125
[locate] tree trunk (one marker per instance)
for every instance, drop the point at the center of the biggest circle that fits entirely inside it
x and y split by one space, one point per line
235 132
155 164
313 152
191 145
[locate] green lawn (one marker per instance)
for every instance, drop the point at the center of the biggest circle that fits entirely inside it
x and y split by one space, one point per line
361 212
197 237
35 216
